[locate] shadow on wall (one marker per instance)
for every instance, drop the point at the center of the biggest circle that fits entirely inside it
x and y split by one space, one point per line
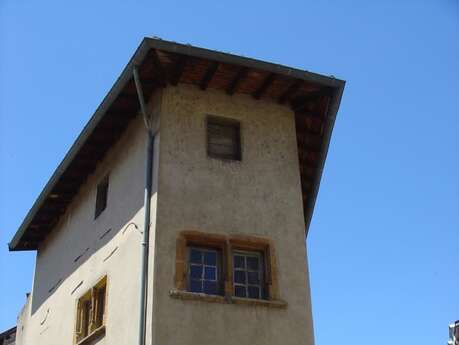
45 287
79 237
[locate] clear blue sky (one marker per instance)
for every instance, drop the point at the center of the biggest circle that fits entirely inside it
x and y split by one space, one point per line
384 241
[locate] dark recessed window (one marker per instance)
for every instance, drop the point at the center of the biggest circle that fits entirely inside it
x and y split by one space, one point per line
223 138
204 271
101 197
248 270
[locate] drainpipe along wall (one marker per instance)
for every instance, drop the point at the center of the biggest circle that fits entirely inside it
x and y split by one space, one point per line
151 132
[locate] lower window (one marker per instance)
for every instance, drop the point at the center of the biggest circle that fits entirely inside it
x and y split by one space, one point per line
248 270
204 271
91 311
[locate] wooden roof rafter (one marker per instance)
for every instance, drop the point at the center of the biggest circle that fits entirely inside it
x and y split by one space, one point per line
264 86
207 77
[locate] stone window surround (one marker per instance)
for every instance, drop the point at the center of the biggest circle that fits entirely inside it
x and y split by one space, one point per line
100 330
226 244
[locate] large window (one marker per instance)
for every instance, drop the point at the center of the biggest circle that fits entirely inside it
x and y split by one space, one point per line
90 320
237 267
248 274
204 273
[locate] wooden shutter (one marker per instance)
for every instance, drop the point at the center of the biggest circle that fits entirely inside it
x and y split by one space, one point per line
79 321
223 138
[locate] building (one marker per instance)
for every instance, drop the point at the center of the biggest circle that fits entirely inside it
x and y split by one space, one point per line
453 333
179 215
8 337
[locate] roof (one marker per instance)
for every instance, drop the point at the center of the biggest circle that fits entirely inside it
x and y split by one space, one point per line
315 99
8 337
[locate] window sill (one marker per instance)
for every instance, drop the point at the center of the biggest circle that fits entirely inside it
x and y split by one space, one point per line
193 296
98 332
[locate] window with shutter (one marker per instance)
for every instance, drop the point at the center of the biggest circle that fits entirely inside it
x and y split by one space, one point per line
223 138
90 315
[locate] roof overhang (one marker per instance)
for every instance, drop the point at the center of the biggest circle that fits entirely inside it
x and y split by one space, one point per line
314 98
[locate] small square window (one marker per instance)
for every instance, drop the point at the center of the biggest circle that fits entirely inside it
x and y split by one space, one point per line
101 196
223 138
248 274
204 271
91 311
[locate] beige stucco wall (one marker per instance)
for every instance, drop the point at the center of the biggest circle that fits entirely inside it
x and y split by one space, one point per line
260 196
107 245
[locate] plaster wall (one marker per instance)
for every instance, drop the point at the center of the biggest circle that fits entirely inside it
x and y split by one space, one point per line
81 250
259 196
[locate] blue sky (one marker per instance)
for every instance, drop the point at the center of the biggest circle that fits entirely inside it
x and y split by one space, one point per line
383 244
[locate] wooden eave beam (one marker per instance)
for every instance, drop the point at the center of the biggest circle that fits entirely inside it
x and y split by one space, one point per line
206 79
264 86
240 75
303 103
178 69
293 87
159 68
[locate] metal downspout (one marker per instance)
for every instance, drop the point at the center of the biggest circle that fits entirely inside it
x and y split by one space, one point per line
147 202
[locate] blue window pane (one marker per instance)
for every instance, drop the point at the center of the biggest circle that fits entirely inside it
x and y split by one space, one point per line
239 291
254 292
196 272
239 261
196 256
210 287
210 258
252 263
196 285
210 273
252 278
239 277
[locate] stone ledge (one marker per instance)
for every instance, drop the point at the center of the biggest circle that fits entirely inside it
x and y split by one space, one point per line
193 296
99 332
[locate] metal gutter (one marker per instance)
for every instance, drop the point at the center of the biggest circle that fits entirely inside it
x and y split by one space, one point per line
147 207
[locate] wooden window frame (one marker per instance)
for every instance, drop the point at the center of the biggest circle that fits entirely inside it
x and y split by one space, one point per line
260 272
266 248
224 121
90 319
188 239
228 245
218 266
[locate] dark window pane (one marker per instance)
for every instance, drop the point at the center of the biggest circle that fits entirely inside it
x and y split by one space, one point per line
210 273
210 287
254 292
210 258
239 277
239 291
239 261
252 278
196 272
195 256
252 263
101 196
196 285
